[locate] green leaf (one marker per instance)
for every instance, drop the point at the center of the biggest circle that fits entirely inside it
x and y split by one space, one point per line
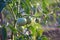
4 33
44 38
26 6
44 7
13 29
33 29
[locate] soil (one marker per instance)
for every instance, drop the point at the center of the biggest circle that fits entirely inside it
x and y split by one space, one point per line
52 33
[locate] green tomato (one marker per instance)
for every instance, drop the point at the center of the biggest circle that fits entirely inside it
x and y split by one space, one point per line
21 21
29 19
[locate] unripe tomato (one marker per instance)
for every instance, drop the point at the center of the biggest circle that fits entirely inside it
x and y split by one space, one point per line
21 21
29 19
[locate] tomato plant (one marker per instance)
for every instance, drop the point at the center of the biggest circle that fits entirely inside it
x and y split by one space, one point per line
25 18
